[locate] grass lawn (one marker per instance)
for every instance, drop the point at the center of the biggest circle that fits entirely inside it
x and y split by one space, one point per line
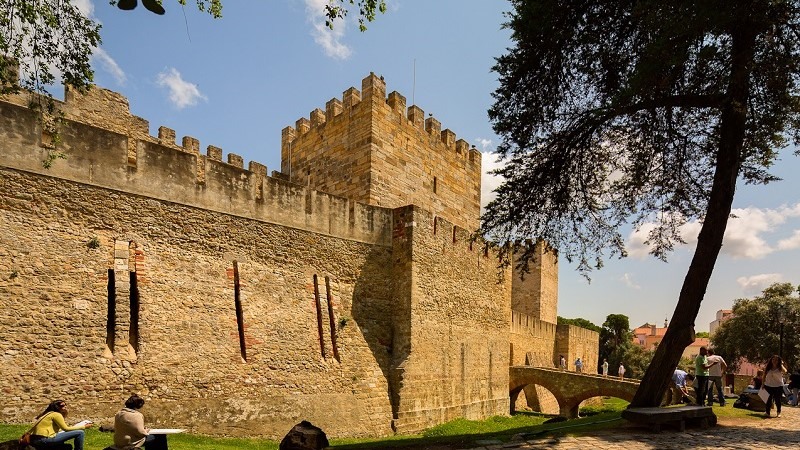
459 433
95 440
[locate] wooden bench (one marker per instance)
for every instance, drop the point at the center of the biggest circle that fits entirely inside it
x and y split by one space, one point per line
655 417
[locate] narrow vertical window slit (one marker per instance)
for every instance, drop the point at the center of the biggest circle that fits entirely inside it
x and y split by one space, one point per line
133 333
319 316
237 299
331 318
111 311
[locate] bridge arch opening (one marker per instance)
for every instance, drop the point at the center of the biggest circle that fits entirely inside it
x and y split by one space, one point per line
536 398
569 389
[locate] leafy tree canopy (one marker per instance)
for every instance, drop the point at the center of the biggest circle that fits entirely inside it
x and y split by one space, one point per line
701 334
754 331
43 38
579 322
646 112
213 7
615 340
636 360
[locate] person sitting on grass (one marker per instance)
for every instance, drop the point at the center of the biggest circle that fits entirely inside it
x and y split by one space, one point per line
45 433
129 430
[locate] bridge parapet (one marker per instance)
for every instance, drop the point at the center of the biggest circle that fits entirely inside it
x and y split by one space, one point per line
569 388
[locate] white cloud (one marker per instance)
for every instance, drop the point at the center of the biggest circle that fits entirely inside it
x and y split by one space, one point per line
754 284
489 182
329 40
745 236
99 56
790 243
86 7
636 245
627 279
109 65
485 144
182 93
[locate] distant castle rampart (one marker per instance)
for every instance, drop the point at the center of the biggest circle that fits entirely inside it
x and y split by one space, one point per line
135 162
233 300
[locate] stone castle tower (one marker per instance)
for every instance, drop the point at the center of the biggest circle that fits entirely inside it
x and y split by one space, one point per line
345 289
373 150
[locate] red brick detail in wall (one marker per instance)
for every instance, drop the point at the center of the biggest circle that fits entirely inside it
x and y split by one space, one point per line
139 265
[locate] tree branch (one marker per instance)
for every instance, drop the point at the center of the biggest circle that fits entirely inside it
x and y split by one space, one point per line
677 101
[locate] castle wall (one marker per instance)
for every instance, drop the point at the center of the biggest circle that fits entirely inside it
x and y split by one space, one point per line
454 362
574 342
535 292
370 148
67 230
531 343
238 303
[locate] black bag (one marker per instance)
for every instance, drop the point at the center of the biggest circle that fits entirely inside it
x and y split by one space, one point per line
743 402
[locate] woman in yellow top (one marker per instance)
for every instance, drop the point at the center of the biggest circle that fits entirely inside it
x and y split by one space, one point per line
45 434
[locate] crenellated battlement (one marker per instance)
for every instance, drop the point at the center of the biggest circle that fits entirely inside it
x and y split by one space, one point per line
374 88
373 148
529 325
109 147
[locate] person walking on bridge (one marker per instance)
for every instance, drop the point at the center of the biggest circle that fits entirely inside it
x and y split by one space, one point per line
605 367
578 365
621 371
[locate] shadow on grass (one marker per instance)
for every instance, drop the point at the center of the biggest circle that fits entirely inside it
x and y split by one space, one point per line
470 440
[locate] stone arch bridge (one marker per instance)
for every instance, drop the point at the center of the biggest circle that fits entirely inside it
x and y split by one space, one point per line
569 388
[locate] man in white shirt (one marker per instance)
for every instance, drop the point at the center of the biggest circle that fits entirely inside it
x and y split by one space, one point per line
715 374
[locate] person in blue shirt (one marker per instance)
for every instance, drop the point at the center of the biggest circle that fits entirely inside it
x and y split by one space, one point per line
679 392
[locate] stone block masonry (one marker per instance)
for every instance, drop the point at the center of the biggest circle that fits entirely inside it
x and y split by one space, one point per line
369 148
240 303
453 360
189 365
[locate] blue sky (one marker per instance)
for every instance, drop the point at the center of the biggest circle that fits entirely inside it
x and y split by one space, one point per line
235 82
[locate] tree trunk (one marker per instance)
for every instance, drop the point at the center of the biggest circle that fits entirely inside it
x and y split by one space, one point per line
709 242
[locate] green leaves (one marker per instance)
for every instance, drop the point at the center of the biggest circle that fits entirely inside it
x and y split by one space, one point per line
213 7
610 114
338 9
45 38
754 331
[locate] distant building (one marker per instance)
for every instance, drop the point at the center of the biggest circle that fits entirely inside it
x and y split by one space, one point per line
745 366
722 316
693 349
648 337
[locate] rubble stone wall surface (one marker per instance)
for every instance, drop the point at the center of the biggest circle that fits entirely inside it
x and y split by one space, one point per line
455 360
186 359
575 342
532 342
240 303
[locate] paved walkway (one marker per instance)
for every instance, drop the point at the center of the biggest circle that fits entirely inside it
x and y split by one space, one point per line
752 433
